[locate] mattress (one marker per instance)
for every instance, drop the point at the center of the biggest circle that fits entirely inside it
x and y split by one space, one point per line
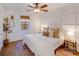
41 45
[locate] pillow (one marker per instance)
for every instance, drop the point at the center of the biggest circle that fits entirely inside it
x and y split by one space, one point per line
61 35
45 32
51 32
56 32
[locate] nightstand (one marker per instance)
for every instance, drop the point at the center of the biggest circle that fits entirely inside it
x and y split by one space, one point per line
70 44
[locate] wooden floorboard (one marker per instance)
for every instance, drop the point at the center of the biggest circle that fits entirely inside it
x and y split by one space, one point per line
17 48
65 52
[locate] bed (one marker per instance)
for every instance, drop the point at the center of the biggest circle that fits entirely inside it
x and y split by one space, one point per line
41 45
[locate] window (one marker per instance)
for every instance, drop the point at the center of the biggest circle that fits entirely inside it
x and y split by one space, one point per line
24 22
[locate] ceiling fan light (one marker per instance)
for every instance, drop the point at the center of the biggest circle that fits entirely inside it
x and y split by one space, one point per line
36 10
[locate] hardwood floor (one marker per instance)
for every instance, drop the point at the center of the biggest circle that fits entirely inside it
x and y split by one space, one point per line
18 49
65 52
15 49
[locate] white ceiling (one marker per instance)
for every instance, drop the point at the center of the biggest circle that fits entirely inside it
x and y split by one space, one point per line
53 6
23 6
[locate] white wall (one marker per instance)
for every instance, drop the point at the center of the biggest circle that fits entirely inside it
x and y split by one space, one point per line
1 26
52 18
16 31
33 24
66 15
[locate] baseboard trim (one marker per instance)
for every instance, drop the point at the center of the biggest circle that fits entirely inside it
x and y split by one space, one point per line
16 40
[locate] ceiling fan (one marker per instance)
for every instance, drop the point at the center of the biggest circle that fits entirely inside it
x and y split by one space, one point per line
38 7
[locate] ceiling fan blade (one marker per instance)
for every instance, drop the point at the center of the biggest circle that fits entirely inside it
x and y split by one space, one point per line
43 6
30 6
29 10
45 10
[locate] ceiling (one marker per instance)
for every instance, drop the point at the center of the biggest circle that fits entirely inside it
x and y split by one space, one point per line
23 6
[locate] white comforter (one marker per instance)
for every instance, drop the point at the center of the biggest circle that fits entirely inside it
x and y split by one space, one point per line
41 45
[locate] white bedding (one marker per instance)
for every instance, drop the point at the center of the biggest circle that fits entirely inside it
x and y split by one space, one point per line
41 45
